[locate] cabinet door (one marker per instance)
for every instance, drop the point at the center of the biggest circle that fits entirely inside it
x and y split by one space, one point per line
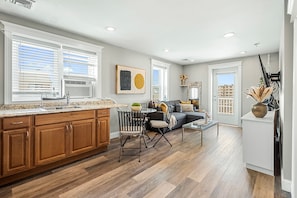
1 156
16 151
103 131
82 136
50 143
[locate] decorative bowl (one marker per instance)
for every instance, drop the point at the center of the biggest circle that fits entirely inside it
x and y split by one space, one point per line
136 108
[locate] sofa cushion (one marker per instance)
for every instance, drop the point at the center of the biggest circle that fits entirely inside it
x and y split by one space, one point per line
186 107
179 116
180 119
171 108
185 102
178 108
192 116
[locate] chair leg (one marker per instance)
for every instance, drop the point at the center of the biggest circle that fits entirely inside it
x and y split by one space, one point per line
139 147
121 147
122 144
162 135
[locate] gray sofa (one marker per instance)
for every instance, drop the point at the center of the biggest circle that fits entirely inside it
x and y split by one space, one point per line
174 109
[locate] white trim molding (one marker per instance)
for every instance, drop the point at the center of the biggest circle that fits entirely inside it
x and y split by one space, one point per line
286 184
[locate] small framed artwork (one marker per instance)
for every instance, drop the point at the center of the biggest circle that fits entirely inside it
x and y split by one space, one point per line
130 80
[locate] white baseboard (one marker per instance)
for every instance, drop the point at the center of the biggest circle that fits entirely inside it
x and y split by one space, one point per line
114 134
286 184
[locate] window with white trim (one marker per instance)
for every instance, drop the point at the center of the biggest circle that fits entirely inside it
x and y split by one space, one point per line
35 69
159 88
36 63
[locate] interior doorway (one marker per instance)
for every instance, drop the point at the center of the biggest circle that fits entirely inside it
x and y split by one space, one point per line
225 92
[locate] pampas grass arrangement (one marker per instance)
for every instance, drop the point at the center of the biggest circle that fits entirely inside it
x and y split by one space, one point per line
259 94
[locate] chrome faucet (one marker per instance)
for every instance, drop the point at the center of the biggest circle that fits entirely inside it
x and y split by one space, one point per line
67 98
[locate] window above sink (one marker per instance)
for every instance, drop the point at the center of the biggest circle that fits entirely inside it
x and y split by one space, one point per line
36 63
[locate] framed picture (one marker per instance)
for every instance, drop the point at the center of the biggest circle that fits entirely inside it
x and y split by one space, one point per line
130 80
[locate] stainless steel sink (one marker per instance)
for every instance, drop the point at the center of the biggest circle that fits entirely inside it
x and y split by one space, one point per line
61 107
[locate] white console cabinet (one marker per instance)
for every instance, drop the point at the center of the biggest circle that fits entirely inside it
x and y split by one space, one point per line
258 146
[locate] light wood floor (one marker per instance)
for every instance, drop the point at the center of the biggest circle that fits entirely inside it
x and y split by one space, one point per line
185 170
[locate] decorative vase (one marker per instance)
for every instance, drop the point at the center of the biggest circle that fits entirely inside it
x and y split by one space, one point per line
259 110
183 82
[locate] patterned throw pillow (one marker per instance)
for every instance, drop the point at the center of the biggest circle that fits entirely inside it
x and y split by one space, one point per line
186 107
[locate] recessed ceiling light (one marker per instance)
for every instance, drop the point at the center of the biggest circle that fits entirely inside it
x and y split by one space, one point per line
166 50
229 34
243 52
110 28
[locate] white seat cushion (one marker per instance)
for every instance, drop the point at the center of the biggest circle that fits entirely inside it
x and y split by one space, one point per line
159 124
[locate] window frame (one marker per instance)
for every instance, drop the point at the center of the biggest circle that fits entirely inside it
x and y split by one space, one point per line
165 67
15 29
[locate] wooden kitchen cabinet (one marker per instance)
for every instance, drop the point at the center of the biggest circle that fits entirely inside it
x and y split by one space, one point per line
50 143
82 136
63 135
103 127
31 144
16 139
1 156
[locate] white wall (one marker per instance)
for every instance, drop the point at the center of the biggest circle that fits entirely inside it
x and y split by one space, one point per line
251 73
1 66
111 56
286 99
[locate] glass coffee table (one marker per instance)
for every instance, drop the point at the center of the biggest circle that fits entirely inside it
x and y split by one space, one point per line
200 126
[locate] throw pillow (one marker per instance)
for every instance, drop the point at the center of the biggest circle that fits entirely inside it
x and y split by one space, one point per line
171 108
164 107
178 108
185 102
195 103
187 107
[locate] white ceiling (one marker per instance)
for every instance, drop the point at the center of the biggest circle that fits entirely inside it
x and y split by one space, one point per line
190 29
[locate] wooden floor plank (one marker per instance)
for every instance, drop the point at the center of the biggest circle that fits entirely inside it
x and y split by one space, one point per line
187 169
161 191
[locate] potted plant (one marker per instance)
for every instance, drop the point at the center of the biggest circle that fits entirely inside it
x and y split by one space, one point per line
136 106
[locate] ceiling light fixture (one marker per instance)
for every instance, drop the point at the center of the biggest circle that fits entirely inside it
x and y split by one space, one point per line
188 60
23 3
229 34
110 28
257 44
243 52
166 50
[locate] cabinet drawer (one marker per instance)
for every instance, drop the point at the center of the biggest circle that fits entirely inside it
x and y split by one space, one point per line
63 117
16 122
102 112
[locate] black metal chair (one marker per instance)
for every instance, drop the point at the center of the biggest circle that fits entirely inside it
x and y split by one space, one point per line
131 126
161 126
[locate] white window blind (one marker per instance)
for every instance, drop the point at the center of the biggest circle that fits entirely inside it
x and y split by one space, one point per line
79 63
35 69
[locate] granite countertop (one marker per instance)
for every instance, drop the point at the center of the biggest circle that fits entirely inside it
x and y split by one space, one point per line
54 107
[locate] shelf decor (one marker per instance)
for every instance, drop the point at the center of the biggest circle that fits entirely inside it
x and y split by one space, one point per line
129 80
183 79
